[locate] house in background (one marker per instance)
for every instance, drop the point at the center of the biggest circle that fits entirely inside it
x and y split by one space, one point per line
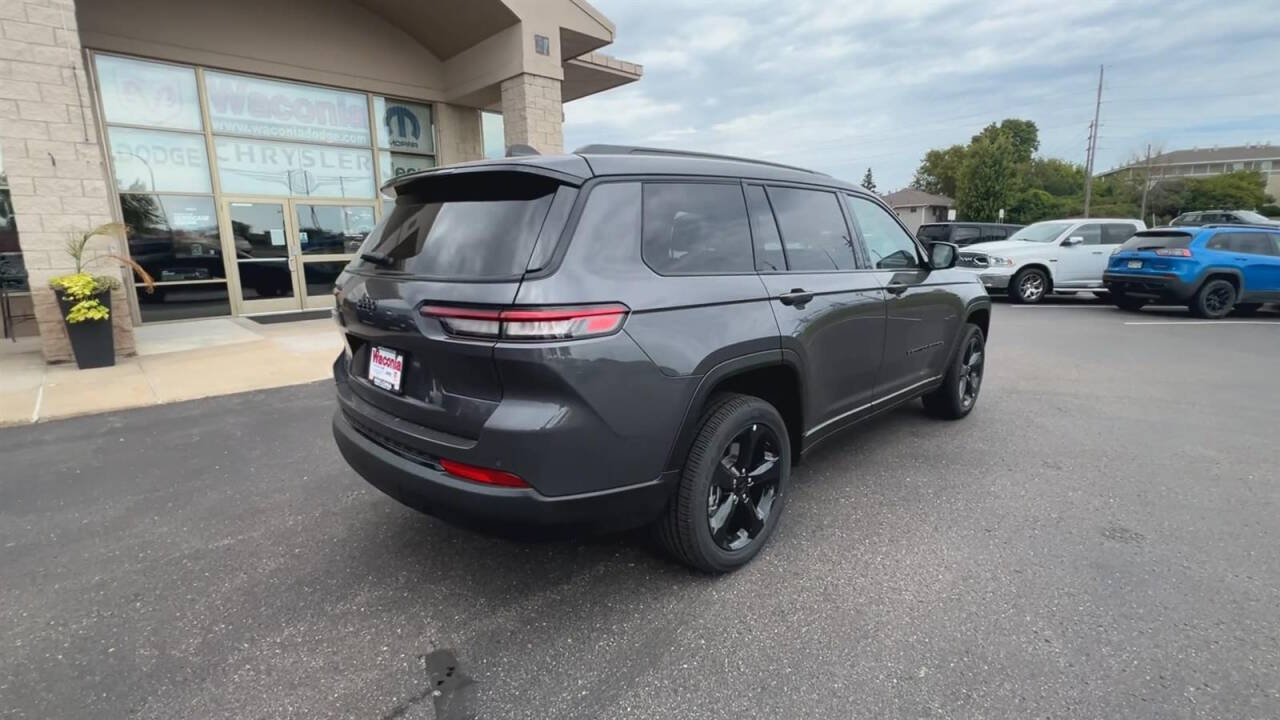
917 207
1205 162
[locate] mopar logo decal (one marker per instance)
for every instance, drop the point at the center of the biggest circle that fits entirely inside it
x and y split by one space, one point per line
402 124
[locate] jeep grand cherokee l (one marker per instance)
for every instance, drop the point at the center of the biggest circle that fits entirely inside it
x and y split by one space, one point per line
623 336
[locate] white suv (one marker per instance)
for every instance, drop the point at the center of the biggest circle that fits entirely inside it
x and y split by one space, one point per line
1054 256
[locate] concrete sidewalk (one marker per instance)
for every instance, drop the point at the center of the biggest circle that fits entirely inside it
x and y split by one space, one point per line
176 361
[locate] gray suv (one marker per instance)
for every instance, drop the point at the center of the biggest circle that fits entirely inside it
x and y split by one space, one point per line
626 336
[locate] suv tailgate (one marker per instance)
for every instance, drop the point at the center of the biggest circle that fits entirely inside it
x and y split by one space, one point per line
462 240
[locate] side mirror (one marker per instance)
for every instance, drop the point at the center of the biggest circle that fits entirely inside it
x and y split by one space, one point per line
943 255
1073 240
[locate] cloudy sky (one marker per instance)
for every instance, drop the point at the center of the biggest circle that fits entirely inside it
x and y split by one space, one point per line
840 85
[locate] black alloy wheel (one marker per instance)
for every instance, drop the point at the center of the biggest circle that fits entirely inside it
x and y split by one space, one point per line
958 393
1214 299
733 487
744 487
970 371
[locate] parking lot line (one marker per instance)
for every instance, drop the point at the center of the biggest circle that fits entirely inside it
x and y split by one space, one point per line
1206 322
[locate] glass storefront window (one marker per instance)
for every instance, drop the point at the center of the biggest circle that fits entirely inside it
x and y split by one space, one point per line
244 105
492 134
256 167
333 229
174 237
13 273
159 161
393 165
184 301
135 92
404 126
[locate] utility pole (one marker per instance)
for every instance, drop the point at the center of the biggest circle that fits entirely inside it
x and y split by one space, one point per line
1146 185
1093 146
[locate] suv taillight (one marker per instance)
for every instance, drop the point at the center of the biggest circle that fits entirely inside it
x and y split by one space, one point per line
1173 252
541 323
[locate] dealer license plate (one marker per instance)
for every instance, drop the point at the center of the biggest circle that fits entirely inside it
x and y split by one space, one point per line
1135 263
386 368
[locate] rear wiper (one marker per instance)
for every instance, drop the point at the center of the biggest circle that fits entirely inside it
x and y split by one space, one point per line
376 259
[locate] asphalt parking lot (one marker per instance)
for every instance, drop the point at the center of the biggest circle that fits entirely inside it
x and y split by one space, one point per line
1099 539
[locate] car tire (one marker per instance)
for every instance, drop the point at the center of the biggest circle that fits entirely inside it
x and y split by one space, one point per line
959 391
1029 286
1214 299
1247 309
713 485
1128 302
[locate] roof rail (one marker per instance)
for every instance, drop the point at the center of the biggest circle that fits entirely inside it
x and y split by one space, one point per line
637 150
1253 226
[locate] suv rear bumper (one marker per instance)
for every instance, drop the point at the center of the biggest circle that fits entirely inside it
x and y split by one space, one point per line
1159 287
422 485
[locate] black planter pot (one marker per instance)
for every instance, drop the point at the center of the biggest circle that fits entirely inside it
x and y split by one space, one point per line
92 341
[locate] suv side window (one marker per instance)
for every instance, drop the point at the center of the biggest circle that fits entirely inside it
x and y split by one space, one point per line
695 229
1117 233
1220 241
890 247
964 234
814 235
1092 233
764 232
1250 243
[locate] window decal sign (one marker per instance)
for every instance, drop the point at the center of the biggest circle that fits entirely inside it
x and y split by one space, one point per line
256 167
135 92
403 126
286 111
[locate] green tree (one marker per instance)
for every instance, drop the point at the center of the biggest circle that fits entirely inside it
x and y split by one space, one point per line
987 183
1056 177
869 182
1240 190
1023 134
939 172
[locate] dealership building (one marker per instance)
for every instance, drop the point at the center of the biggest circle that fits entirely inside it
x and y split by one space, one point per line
244 143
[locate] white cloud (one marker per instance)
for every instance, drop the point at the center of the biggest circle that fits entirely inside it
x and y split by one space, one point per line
842 84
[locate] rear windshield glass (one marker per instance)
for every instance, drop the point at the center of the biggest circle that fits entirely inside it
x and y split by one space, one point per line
932 233
463 227
1156 240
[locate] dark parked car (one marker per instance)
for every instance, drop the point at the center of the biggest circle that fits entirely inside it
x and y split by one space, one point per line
624 336
1218 217
965 233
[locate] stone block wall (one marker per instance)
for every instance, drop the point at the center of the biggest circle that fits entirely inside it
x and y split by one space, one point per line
55 164
532 113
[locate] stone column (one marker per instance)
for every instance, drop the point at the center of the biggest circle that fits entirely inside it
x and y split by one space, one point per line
458 131
532 113
53 158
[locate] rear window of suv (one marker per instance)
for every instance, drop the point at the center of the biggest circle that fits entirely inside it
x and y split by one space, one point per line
463 227
1155 240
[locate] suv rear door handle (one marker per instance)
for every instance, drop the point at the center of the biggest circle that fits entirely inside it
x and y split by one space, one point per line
798 297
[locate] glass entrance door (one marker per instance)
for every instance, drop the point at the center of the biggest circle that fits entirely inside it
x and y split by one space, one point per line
329 235
288 253
265 252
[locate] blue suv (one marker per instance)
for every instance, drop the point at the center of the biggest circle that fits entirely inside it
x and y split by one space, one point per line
1210 269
